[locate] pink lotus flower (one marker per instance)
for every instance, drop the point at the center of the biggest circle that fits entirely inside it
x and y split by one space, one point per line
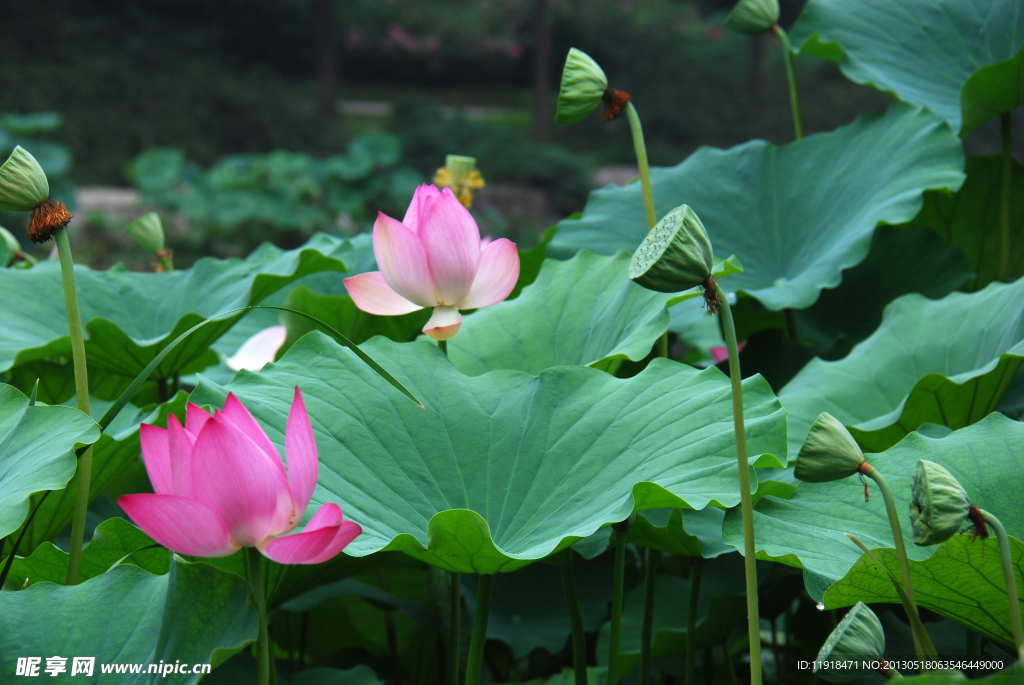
221 485
434 258
259 350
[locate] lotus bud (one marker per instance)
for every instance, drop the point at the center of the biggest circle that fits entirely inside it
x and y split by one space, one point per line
460 174
939 505
753 16
583 88
23 185
858 637
676 255
829 452
147 232
9 247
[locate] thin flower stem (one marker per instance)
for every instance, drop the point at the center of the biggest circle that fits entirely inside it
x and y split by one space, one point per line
647 626
260 600
794 96
1011 581
1004 199
641 160
443 345
746 501
454 628
476 643
67 271
901 548
691 621
618 580
166 262
579 637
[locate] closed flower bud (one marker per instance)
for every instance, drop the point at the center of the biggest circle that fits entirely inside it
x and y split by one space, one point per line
829 452
147 232
23 185
858 637
676 255
938 505
753 16
583 87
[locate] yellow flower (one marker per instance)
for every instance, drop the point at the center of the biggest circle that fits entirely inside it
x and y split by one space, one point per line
460 174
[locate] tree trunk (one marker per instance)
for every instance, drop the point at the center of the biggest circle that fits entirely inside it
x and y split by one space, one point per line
542 114
327 56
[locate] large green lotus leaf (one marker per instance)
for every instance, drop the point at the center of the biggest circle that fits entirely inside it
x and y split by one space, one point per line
1012 675
583 311
36 451
116 449
194 614
721 605
945 361
807 529
129 316
960 58
962 580
505 468
969 219
115 541
796 215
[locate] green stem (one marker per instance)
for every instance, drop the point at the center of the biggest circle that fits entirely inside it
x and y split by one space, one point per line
1004 199
67 271
476 643
1011 581
647 626
260 600
443 345
618 580
455 628
641 160
662 350
746 501
579 637
901 548
794 96
691 621
166 263
792 332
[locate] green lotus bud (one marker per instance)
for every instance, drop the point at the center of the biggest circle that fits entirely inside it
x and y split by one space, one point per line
147 232
753 16
583 87
938 504
829 452
859 637
23 185
9 247
676 254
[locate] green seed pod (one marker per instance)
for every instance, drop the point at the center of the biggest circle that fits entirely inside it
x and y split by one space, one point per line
829 452
753 16
938 504
147 232
459 166
23 185
9 247
676 254
858 637
583 87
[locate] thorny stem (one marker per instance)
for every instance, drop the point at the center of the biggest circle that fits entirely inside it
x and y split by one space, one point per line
647 626
67 270
476 642
746 501
1004 200
260 600
579 637
641 160
691 621
618 580
794 96
1011 581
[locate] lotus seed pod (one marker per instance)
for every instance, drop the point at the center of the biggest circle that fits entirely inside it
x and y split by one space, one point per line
858 637
9 247
23 185
938 505
753 16
676 254
583 87
829 452
147 232
459 166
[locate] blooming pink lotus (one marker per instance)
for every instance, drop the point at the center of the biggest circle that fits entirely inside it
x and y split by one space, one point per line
221 485
434 258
